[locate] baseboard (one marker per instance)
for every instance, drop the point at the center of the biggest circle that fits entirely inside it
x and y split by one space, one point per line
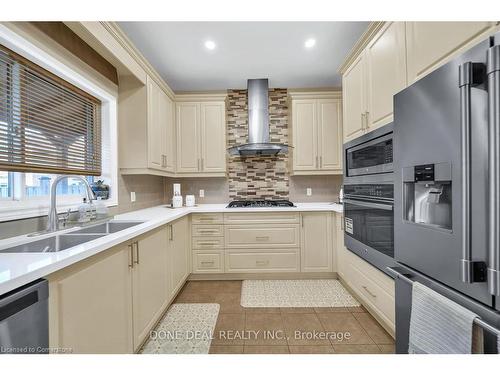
263 276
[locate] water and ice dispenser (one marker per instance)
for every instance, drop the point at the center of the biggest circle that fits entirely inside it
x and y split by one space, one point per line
427 196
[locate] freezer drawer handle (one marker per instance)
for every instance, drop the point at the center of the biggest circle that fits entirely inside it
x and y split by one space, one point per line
493 72
470 75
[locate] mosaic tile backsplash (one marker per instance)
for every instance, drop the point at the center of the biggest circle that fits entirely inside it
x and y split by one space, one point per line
257 177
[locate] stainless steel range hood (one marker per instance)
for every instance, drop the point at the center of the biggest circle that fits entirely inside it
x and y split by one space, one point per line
258 123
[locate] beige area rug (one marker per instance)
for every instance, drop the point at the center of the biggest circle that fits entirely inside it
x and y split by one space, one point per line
187 328
295 293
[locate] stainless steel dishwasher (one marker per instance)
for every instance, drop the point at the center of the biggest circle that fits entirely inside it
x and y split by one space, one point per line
24 319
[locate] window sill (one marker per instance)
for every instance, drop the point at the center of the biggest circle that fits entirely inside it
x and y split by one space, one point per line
11 210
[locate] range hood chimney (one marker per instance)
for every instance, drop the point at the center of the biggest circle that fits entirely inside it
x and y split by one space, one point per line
258 123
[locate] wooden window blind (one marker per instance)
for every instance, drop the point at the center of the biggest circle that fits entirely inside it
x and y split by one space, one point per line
46 124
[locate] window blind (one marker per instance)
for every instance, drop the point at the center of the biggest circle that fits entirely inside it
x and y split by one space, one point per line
46 124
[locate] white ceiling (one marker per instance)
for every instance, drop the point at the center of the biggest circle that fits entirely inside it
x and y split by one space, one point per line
244 50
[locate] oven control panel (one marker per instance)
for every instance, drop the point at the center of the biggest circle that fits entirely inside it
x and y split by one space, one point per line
381 191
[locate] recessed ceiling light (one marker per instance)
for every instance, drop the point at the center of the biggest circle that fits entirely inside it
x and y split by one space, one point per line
310 43
210 44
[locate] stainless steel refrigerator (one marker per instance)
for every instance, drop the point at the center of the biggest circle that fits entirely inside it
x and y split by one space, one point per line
447 186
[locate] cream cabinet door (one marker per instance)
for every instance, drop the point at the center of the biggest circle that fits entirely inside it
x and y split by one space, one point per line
213 137
353 94
188 137
305 135
91 304
149 281
431 44
386 72
316 242
329 134
156 127
168 125
178 255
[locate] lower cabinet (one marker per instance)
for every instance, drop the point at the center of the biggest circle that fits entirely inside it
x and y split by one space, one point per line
150 282
90 304
110 302
178 254
316 242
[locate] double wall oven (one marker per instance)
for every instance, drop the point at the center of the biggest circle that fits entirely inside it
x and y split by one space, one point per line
369 197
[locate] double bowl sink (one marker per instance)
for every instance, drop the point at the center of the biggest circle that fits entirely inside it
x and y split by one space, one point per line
64 241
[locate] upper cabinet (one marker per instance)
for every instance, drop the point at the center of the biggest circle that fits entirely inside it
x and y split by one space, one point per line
392 55
431 44
146 128
386 73
316 134
354 97
201 138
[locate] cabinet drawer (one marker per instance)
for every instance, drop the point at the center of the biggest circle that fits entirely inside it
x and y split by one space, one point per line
208 242
286 260
207 218
261 217
261 236
383 281
373 294
207 230
208 261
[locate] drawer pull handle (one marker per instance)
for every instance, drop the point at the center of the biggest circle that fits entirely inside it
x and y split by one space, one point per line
207 263
368 291
261 262
262 238
207 243
206 218
209 231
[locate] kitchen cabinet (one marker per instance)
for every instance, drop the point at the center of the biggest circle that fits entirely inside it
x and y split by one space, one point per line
110 302
386 73
432 44
179 250
316 134
90 304
316 242
201 138
149 281
354 99
147 129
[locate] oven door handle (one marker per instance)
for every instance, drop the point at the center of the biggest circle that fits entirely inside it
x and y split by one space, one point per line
387 207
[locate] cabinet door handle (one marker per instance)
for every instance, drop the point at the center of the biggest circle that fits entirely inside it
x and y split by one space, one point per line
207 263
368 291
136 252
317 163
261 262
321 161
367 116
201 164
131 255
171 232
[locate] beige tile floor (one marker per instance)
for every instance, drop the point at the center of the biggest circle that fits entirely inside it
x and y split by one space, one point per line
367 336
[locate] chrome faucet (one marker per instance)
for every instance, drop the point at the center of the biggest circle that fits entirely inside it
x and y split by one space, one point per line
53 219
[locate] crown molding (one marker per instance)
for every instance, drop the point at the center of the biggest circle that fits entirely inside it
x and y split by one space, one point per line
360 45
208 96
126 43
315 94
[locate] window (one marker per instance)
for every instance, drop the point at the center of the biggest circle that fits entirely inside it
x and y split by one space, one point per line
47 125
24 193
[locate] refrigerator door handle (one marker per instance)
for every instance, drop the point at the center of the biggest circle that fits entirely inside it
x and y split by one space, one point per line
470 75
493 73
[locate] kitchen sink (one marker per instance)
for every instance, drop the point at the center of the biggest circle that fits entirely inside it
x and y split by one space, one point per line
53 244
108 227
61 242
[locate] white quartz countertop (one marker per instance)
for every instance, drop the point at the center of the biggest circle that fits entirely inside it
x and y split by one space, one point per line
17 269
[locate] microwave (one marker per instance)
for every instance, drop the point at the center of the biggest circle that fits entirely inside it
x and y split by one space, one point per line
370 154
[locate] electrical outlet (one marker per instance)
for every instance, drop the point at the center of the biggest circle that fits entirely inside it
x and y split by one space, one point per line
202 193
132 196
309 192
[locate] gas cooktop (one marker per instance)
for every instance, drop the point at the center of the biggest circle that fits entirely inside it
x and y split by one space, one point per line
261 203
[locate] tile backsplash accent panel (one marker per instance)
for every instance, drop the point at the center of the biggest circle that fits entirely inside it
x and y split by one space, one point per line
257 177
